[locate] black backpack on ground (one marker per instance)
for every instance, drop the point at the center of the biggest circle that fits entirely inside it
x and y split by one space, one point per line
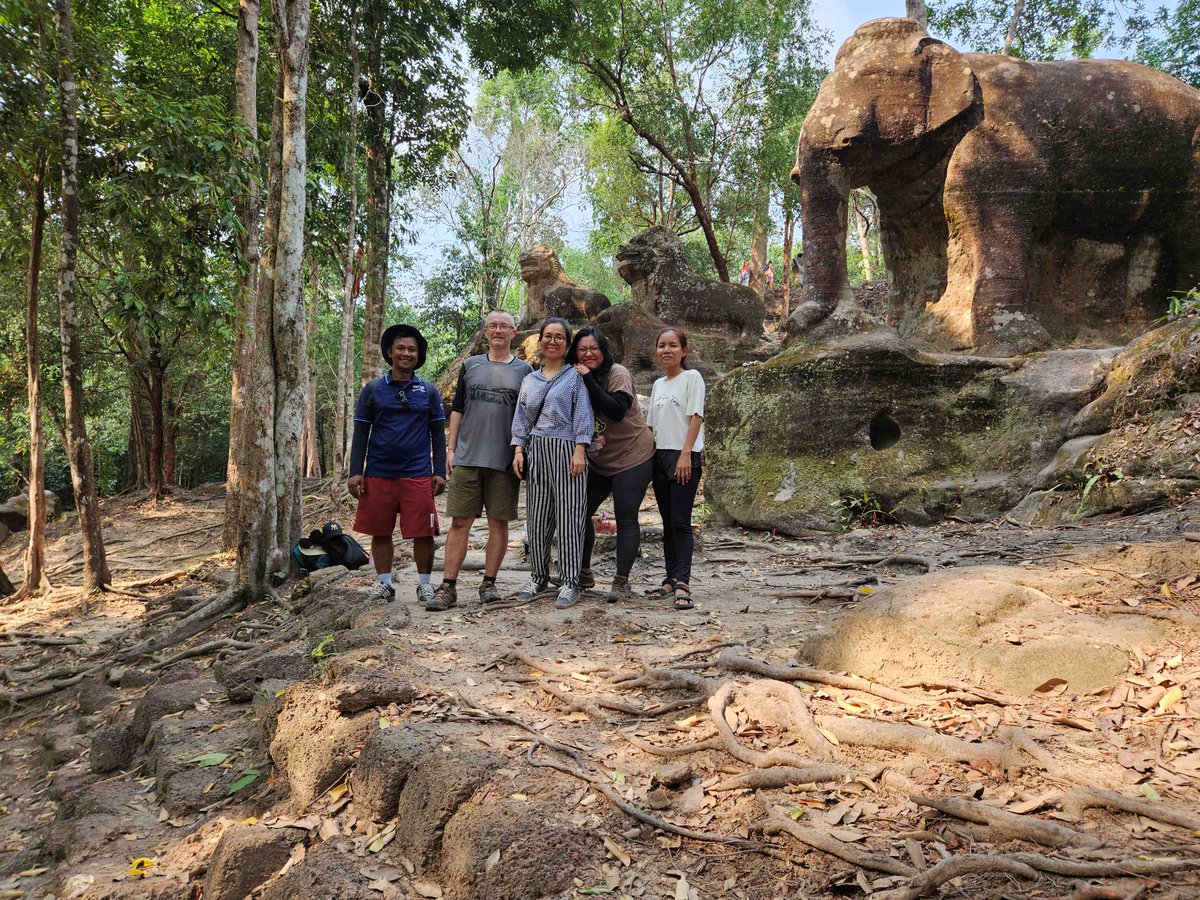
329 546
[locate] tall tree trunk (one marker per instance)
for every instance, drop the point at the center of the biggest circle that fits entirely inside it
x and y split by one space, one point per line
1013 25
36 580
157 377
269 466
342 410
378 190
246 104
861 224
173 407
915 9
312 453
789 229
138 455
79 450
758 241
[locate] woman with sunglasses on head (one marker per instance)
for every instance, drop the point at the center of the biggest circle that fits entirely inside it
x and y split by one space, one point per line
621 458
550 434
677 417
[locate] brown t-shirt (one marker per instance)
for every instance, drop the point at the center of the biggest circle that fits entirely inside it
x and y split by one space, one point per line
617 446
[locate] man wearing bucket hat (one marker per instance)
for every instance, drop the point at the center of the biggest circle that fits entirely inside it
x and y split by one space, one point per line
398 428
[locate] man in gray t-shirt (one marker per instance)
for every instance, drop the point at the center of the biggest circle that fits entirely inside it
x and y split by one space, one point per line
479 458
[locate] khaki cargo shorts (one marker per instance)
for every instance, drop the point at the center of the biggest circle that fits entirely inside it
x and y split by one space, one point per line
473 488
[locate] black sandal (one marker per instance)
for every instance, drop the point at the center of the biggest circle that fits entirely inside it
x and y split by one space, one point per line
683 597
663 591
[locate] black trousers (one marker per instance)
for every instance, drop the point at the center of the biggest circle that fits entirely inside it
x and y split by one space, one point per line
628 490
675 502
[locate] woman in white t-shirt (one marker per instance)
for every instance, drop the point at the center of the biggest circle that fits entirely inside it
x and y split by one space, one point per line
677 416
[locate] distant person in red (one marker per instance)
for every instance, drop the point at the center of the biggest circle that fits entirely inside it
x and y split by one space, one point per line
398 429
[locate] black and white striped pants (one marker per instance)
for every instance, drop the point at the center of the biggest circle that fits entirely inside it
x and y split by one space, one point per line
555 500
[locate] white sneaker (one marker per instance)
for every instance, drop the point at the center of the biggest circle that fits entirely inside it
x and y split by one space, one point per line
424 593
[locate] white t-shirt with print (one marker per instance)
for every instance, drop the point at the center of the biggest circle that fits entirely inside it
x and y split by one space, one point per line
673 402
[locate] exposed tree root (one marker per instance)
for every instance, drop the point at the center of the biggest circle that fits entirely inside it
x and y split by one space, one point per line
956 866
45 689
711 743
1009 826
549 668
777 821
200 618
669 678
1076 800
155 581
781 777
965 691
592 707
732 662
203 650
601 787
932 745
1075 868
805 729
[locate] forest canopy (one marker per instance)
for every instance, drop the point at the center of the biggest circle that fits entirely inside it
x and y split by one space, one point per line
442 139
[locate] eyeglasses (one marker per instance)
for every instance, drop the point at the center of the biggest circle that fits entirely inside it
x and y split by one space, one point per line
404 401
494 327
554 338
590 351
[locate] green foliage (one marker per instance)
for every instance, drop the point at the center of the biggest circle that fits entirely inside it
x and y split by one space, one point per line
318 652
862 510
1048 29
1172 43
1098 473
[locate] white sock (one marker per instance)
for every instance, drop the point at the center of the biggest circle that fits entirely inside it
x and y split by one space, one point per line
423 577
385 578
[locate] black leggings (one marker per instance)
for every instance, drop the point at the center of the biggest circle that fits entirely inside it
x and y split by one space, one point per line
675 503
628 490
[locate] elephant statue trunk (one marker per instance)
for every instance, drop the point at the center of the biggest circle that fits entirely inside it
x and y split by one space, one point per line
824 192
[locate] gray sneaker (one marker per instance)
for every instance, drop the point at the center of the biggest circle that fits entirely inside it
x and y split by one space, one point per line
384 593
443 598
489 593
424 593
531 590
567 596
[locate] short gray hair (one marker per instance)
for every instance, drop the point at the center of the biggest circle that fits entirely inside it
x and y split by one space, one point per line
504 312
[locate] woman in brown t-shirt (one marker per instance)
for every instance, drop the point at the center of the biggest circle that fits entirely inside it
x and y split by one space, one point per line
621 457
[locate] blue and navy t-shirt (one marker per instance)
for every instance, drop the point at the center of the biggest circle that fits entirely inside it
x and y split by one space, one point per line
400 414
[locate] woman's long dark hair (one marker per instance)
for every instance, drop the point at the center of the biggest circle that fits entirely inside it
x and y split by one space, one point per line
606 362
682 335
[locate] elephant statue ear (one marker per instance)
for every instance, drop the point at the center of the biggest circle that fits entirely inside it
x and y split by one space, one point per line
951 83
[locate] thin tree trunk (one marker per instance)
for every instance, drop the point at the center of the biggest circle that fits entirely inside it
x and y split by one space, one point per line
860 225
789 228
342 409
1013 25
269 469
246 102
312 453
138 454
36 581
290 331
758 244
156 367
173 405
915 9
79 450
378 187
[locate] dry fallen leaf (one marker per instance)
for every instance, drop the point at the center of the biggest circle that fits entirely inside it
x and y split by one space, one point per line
491 861
427 889
1170 698
681 888
616 851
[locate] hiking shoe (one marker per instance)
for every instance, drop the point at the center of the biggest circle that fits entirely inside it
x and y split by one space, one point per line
443 598
424 593
531 590
567 596
619 591
489 593
384 593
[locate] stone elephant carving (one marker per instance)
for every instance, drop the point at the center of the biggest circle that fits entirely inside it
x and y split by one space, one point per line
1007 190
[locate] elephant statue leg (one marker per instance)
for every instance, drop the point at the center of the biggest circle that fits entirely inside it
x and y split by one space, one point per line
987 290
1184 235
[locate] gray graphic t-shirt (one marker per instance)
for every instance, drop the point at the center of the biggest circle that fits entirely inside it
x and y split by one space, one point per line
487 397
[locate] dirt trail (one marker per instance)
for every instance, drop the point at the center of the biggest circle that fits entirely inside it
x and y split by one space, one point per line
325 746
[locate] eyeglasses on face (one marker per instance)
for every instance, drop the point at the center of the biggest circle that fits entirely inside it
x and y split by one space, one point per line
590 351
497 327
554 338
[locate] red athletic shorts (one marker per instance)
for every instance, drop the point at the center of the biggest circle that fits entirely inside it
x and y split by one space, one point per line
385 498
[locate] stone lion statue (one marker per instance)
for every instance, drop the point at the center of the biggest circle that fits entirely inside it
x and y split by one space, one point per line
553 293
653 265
